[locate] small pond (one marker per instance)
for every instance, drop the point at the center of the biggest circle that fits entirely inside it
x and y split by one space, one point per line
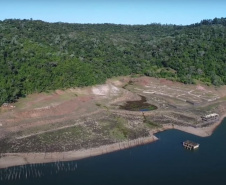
140 105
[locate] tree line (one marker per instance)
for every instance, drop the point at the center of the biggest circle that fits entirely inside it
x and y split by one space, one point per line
37 56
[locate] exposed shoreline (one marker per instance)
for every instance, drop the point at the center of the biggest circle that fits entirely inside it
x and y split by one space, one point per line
202 131
16 159
85 109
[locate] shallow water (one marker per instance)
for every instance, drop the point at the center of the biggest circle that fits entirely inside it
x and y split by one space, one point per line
162 162
139 105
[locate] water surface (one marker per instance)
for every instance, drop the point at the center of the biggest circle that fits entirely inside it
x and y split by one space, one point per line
162 162
138 105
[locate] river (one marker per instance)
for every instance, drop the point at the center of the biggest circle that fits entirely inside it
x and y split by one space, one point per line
162 162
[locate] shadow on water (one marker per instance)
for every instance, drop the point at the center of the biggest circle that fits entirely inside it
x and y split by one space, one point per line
165 161
140 105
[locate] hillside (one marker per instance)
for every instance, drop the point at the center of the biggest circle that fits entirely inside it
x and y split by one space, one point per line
37 56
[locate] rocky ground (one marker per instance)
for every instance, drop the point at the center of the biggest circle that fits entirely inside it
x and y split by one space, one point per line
82 118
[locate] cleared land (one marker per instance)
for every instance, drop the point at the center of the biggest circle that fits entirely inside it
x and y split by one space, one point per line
84 118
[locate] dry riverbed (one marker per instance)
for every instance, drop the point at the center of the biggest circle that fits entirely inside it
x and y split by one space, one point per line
82 122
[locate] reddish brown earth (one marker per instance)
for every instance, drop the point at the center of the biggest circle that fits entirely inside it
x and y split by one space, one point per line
94 114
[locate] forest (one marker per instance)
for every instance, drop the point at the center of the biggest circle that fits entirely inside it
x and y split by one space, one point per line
37 56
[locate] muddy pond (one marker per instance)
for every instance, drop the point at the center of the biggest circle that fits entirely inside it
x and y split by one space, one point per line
140 105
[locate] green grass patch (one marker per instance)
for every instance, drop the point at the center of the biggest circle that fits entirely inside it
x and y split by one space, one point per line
102 106
22 102
224 98
210 107
151 124
62 135
67 96
117 134
152 107
120 131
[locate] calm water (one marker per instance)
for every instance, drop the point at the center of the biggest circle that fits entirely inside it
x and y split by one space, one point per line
162 162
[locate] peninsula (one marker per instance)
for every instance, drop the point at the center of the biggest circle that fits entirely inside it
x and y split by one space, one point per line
69 91
84 122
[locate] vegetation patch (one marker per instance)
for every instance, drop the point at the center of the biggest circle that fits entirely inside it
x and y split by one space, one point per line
151 124
34 60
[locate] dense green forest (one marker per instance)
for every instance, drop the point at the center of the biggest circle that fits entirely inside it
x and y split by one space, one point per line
37 56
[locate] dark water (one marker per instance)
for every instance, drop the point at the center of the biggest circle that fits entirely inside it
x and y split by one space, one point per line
138 105
162 162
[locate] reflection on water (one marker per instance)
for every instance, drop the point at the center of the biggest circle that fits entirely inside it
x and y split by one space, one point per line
36 170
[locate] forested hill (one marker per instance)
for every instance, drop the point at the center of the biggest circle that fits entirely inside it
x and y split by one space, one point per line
37 56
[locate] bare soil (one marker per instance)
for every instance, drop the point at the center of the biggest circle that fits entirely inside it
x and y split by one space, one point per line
83 118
